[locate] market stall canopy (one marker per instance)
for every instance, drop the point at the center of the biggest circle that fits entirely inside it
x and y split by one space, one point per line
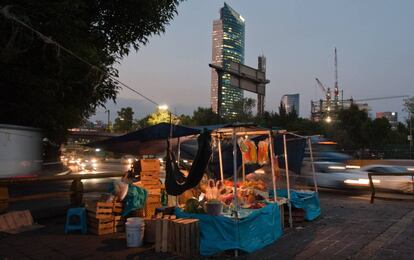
149 140
295 148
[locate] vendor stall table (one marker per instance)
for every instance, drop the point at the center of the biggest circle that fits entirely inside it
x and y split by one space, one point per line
218 233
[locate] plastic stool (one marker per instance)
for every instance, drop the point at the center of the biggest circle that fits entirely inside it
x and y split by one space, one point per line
81 213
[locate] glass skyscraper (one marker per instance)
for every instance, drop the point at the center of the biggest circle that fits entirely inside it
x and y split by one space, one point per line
228 44
291 102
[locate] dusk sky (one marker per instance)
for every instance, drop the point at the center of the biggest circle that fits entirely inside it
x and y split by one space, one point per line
374 38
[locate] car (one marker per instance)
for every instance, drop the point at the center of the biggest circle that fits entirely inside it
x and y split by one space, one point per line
338 176
394 183
334 175
88 164
128 159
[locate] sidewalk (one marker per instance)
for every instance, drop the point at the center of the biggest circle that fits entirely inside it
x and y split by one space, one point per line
350 227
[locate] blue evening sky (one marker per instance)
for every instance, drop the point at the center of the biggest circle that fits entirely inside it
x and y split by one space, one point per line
374 38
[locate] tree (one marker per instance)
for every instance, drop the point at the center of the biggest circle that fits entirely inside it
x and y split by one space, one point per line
49 88
282 110
409 105
205 116
380 133
160 116
124 121
186 120
352 126
246 114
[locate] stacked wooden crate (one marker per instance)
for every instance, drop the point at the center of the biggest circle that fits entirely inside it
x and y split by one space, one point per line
150 175
178 236
103 217
298 215
150 180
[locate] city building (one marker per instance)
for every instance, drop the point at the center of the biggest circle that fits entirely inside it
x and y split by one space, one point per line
392 117
228 45
291 103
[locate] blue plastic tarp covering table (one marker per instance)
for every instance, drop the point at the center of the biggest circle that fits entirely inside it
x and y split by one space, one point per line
218 233
307 200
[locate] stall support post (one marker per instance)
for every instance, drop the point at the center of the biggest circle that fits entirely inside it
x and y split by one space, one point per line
243 170
236 252
235 170
220 159
313 165
178 150
287 181
272 162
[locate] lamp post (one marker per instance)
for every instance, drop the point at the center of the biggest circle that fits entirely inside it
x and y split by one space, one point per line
109 116
411 135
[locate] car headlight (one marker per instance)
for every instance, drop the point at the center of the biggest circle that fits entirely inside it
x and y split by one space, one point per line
360 181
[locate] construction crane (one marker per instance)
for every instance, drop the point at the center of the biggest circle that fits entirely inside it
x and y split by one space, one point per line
326 91
336 87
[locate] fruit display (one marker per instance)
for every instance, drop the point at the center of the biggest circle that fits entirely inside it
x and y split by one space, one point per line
249 193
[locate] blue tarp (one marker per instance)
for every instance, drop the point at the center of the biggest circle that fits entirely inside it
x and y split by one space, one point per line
148 140
218 233
295 149
307 200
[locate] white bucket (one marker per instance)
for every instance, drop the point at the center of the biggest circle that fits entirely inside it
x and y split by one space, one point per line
135 221
134 233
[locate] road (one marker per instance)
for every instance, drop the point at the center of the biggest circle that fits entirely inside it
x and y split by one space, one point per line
38 188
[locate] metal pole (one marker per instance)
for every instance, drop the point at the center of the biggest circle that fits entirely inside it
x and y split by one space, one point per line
411 136
108 119
236 252
235 169
220 160
178 150
243 169
287 180
313 165
272 165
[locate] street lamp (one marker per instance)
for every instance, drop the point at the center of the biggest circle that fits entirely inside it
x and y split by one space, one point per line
328 120
163 107
411 135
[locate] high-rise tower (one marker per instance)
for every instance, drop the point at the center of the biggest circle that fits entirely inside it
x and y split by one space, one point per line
291 103
228 44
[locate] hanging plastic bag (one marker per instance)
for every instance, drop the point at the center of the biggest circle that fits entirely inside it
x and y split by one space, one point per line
244 149
248 150
263 152
253 151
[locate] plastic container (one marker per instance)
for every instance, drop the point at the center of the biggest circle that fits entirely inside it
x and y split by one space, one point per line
134 229
214 208
135 220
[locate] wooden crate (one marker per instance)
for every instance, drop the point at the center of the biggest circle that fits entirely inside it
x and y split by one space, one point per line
119 224
99 210
153 199
104 217
149 165
103 210
298 215
184 237
101 226
162 231
153 202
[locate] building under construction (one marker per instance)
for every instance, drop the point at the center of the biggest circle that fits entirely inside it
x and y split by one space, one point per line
327 109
